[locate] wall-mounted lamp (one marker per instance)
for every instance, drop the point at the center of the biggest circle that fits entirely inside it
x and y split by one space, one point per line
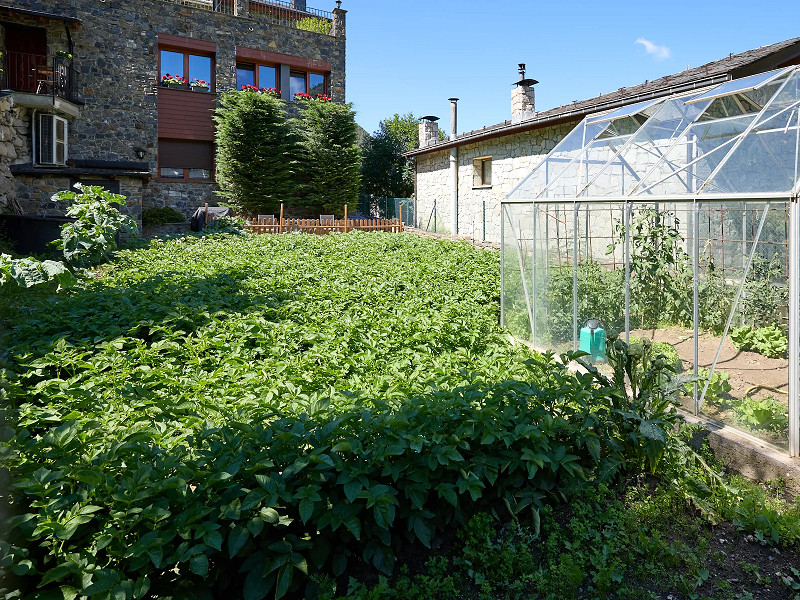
140 152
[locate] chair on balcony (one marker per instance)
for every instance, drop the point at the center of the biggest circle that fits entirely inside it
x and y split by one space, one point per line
44 79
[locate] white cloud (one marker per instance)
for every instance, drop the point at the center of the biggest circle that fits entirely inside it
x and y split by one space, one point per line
659 52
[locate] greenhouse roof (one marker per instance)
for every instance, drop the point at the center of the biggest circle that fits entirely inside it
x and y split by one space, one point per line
739 137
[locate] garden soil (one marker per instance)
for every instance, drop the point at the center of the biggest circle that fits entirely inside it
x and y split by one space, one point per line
751 374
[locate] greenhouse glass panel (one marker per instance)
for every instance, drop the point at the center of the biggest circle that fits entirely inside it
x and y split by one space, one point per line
553 299
558 158
741 85
600 277
625 111
644 150
766 158
517 263
596 154
661 281
743 309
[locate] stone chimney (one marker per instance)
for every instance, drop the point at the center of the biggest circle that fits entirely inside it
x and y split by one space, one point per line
428 131
523 97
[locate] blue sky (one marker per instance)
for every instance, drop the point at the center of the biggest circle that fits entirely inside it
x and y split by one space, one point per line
412 55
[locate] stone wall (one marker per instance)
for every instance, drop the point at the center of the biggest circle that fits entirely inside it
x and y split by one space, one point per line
513 157
14 147
116 57
34 195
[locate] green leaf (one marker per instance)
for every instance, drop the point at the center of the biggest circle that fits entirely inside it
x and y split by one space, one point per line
199 564
423 531
257 587
306 509
283 581
236 539
102 581
351 489
214 539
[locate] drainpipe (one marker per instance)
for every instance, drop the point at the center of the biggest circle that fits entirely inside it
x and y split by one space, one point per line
453 168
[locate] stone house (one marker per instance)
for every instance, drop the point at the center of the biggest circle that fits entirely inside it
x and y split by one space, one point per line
121 93
461 181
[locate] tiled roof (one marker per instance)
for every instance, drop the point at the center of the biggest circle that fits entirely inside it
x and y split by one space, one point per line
730 67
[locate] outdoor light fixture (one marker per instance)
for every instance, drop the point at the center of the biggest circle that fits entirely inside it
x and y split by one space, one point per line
140 152
339 4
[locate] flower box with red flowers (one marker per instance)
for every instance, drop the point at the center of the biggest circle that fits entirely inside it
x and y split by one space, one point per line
269 91
199 85
173 81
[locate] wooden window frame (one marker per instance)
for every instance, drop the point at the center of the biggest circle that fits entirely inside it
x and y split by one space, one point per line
185 178
256 66
187 47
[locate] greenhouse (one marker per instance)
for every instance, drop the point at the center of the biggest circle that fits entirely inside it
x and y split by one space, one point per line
673 220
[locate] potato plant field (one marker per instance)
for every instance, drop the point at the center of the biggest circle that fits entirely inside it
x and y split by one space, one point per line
245 416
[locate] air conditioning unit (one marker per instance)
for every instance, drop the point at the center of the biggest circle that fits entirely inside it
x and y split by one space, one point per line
52 138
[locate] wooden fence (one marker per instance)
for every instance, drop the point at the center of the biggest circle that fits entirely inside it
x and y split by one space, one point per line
269 224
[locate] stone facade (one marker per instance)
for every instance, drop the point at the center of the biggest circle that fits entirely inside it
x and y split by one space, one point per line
523 103
513 157
115 54
14 147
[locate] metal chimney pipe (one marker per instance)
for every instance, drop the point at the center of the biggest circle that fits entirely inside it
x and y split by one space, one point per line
453 117
453 168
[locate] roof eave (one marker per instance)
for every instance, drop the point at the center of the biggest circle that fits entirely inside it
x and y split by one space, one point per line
573 115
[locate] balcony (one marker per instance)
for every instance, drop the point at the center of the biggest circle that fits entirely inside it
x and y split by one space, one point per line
291 13
39 80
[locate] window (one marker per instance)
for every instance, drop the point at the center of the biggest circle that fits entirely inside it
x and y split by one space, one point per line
260 76
482 172
314 84
185 159
297 83
245 75
51 144
186 70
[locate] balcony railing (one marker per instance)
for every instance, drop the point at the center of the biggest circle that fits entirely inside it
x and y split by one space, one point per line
35 74
291 13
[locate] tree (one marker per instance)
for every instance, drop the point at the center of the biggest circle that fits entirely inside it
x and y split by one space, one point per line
256 152
330 165
385 173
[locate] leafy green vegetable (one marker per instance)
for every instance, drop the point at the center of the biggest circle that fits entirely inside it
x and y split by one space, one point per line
769 341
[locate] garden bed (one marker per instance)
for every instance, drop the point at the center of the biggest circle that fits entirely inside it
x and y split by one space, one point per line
751 374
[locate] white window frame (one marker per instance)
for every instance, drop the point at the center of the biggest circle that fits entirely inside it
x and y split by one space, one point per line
51 145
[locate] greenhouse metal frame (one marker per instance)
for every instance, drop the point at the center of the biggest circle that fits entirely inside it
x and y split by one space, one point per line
690 203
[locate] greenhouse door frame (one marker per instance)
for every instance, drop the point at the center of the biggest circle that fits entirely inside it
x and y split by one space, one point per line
695 201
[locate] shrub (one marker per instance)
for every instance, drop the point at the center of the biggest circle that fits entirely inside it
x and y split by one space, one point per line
330 165
255 152
90 239
87 241
161 215
314 24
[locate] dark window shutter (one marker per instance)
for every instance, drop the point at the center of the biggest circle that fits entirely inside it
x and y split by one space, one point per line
185 154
